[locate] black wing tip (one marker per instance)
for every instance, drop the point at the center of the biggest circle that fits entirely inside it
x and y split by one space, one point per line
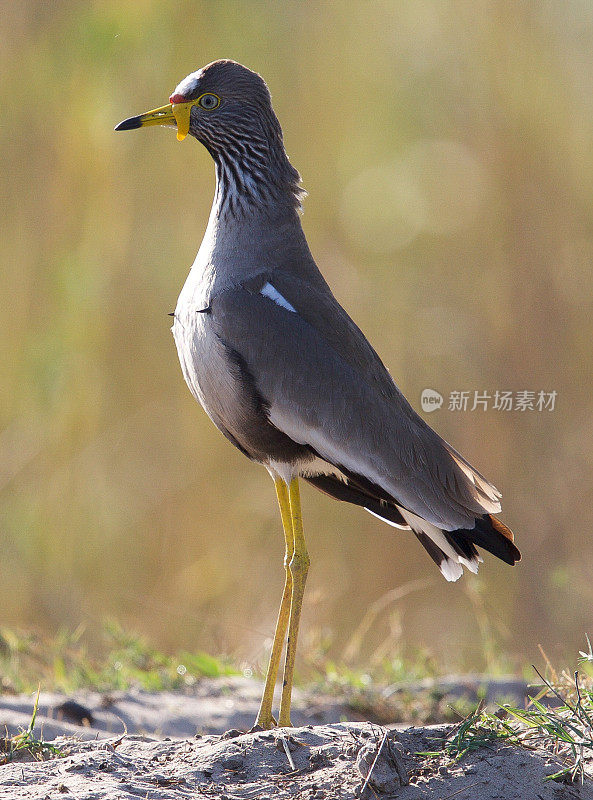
129 124
492 535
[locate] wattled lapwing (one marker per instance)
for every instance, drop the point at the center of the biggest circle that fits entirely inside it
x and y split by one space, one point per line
287 376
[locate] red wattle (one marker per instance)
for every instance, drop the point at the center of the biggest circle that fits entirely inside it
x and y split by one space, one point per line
177 98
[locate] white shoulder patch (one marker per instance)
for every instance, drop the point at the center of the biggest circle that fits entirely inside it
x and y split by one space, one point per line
269 291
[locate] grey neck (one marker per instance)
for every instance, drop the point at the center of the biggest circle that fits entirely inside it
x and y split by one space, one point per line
248 236
258 238
243 192
247 186
255 223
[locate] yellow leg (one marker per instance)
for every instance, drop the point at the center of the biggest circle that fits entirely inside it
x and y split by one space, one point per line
298 567
264 718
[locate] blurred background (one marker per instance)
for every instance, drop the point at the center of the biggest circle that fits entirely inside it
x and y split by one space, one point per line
446 149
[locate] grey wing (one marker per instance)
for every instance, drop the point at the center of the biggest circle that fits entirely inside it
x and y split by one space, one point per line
324 387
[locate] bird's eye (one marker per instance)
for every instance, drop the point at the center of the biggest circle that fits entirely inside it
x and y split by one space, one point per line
209 101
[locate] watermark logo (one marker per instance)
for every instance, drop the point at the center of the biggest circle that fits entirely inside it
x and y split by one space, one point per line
522 400
430 400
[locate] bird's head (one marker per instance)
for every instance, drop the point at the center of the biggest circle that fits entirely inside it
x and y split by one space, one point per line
220 102
228 108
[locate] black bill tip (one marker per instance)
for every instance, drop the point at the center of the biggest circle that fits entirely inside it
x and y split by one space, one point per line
129 124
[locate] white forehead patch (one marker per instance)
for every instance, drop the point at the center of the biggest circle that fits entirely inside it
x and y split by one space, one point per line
188 85
269 291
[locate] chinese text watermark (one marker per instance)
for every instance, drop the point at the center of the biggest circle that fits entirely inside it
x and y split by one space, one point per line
521 400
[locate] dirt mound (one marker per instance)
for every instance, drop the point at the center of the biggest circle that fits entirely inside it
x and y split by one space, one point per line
111 746
327 762
345 760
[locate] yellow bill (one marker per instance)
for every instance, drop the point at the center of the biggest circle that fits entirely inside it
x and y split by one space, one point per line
176 114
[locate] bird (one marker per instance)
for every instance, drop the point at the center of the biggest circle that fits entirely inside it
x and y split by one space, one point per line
286 375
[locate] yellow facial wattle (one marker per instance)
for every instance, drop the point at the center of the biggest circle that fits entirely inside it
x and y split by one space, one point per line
181 112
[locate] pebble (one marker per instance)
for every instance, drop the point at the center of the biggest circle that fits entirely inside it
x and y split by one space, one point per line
233 733
233 763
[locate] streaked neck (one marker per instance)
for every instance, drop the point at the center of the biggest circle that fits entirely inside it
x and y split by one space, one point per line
254 177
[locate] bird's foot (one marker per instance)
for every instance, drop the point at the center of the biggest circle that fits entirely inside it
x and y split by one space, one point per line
264 722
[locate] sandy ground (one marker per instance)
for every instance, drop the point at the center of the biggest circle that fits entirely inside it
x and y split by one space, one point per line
320 760
212 706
